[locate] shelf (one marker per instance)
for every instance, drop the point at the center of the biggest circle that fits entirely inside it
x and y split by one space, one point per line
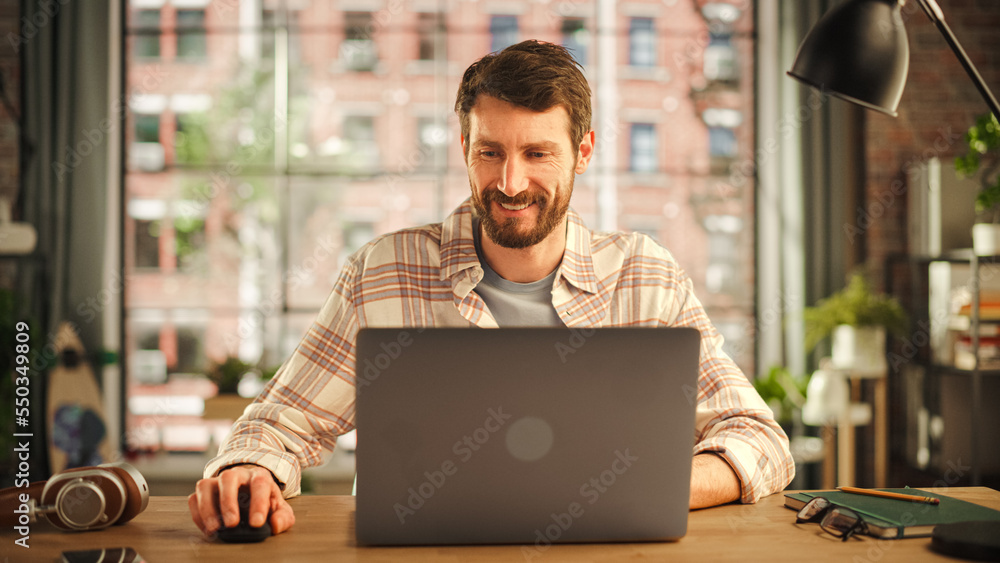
960 371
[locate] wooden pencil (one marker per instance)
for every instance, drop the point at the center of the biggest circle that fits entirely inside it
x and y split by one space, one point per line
887 494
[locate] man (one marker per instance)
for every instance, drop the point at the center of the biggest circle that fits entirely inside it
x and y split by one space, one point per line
512 255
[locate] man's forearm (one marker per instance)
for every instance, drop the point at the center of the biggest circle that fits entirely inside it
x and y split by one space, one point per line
713 481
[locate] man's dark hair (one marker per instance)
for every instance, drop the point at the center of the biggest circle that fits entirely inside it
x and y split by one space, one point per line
530 74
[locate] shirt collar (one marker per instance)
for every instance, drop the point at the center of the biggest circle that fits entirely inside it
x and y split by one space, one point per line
458 249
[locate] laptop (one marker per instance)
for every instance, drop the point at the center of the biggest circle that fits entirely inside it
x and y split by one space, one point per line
525 436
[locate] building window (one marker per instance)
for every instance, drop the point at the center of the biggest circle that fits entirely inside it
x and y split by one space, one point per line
147 128
429 24
575 38
722 142
722 272
643 145
641 42
722 125
720 62
146 153
358 49
190 243
147 38
191 38
147 243
503 32
361 154
431 140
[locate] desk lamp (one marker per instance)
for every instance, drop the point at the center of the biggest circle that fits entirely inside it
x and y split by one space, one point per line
858 52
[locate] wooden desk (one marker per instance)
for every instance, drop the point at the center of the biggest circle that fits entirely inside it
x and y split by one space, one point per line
324 531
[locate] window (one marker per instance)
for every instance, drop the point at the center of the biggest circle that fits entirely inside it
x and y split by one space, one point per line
432 138
641 42
147 128
575 38
189 243
147 39
721 274
264 191
643 148
361 152
503 32
191 37
146 152
147 243
358 49
720 61
722 142
428 26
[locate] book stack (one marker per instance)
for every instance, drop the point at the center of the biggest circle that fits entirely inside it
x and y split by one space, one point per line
960 336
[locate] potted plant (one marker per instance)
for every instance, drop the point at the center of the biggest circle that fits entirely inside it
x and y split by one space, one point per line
227 375
982 158
858 319
783 393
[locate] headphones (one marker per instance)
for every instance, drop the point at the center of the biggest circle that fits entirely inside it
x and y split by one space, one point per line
79 499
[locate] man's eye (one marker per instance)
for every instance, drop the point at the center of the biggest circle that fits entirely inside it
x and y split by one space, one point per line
536 154
488 154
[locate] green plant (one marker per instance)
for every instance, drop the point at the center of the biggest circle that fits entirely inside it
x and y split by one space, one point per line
782 392
983 141
228 374
855 305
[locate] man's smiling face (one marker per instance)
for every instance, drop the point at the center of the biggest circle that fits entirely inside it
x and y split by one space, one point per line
522 164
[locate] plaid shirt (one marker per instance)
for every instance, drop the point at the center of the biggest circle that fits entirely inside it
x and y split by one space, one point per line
425 277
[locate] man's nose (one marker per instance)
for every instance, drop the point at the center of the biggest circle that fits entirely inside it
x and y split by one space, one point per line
513 180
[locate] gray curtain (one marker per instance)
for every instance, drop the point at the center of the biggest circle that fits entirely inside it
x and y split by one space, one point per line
65 100
64 53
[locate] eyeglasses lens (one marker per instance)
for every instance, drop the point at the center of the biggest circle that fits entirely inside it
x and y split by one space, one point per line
813 510
841 522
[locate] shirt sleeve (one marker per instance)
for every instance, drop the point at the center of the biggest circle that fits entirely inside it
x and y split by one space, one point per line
731 419
308 403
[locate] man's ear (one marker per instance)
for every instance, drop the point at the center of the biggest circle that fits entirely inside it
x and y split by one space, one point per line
585 152
461 138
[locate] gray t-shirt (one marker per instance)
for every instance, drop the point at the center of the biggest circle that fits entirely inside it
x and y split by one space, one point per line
512 303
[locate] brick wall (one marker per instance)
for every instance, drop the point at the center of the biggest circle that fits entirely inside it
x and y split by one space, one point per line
11 70
938 106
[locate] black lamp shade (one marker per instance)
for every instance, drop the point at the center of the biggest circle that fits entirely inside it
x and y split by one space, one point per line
858 51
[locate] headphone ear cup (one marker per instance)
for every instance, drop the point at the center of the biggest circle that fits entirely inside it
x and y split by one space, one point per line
83 498
136 489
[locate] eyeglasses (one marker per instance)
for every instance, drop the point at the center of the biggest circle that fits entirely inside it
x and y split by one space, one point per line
835 520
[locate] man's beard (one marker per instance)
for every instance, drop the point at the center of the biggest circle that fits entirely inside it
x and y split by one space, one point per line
509 232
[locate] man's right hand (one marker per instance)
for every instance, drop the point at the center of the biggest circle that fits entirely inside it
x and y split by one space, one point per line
215 504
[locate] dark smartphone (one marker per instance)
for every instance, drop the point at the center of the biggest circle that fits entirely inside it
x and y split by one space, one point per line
108 555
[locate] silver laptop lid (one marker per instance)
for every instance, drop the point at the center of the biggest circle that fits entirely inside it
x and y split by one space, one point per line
524 435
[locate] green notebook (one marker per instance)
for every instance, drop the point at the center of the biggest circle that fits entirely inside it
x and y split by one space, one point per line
891 518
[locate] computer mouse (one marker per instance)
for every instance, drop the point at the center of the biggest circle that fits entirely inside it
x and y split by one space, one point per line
244 532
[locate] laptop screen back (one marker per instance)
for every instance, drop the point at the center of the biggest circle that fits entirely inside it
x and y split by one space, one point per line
524 435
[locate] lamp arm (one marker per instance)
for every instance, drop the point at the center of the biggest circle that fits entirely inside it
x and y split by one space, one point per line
935 14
